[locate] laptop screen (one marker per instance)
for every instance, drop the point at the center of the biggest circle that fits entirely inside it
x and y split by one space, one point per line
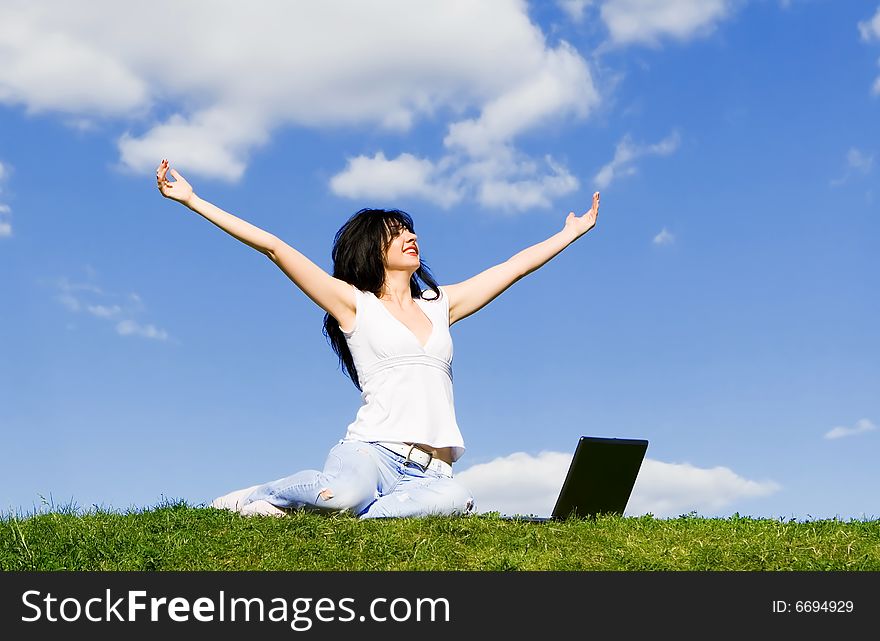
601 477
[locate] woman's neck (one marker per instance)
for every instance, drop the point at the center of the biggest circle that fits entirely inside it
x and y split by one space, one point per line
396 287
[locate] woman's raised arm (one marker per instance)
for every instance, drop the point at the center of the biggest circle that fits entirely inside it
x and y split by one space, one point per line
334 296
471 295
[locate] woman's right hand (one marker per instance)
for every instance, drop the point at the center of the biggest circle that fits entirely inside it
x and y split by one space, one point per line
179 190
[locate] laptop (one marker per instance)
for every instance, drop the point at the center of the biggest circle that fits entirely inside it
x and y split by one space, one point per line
600 479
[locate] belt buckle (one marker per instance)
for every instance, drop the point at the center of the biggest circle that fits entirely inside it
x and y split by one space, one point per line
410 459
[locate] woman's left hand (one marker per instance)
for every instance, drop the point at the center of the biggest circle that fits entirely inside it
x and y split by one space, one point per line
580 225
179 190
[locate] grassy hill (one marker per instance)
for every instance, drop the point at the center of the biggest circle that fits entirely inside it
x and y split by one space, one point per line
177 536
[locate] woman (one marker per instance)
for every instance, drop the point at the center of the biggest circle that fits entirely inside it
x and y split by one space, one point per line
393 341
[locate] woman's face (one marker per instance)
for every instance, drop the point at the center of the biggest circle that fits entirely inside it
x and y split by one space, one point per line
403 251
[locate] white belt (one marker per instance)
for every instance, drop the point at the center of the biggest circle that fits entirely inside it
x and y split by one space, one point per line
417 455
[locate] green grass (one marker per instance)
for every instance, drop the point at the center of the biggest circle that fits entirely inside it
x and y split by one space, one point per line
177 536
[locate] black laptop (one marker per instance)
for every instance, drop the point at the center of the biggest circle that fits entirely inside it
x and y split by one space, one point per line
600 478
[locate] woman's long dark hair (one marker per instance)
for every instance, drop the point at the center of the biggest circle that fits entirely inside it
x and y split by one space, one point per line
359 259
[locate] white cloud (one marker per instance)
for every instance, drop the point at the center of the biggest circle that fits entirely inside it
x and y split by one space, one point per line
103 311
523 484
130 327
870 29
406 175
527 192
860 160
213 142
5 224
481 161
512 181
861 426
5 210
649 21
671 489
627 153
857 161
90 298
664 238
870 32
505 180
559 84
205 83
69 293
518 483
574 8
51 67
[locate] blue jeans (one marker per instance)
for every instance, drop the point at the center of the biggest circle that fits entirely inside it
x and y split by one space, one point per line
368 481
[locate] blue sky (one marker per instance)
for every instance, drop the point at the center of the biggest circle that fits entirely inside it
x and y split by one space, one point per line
724 307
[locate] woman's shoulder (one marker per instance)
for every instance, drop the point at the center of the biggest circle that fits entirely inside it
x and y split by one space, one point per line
363 293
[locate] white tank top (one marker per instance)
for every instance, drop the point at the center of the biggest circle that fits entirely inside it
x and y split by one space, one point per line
406 387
